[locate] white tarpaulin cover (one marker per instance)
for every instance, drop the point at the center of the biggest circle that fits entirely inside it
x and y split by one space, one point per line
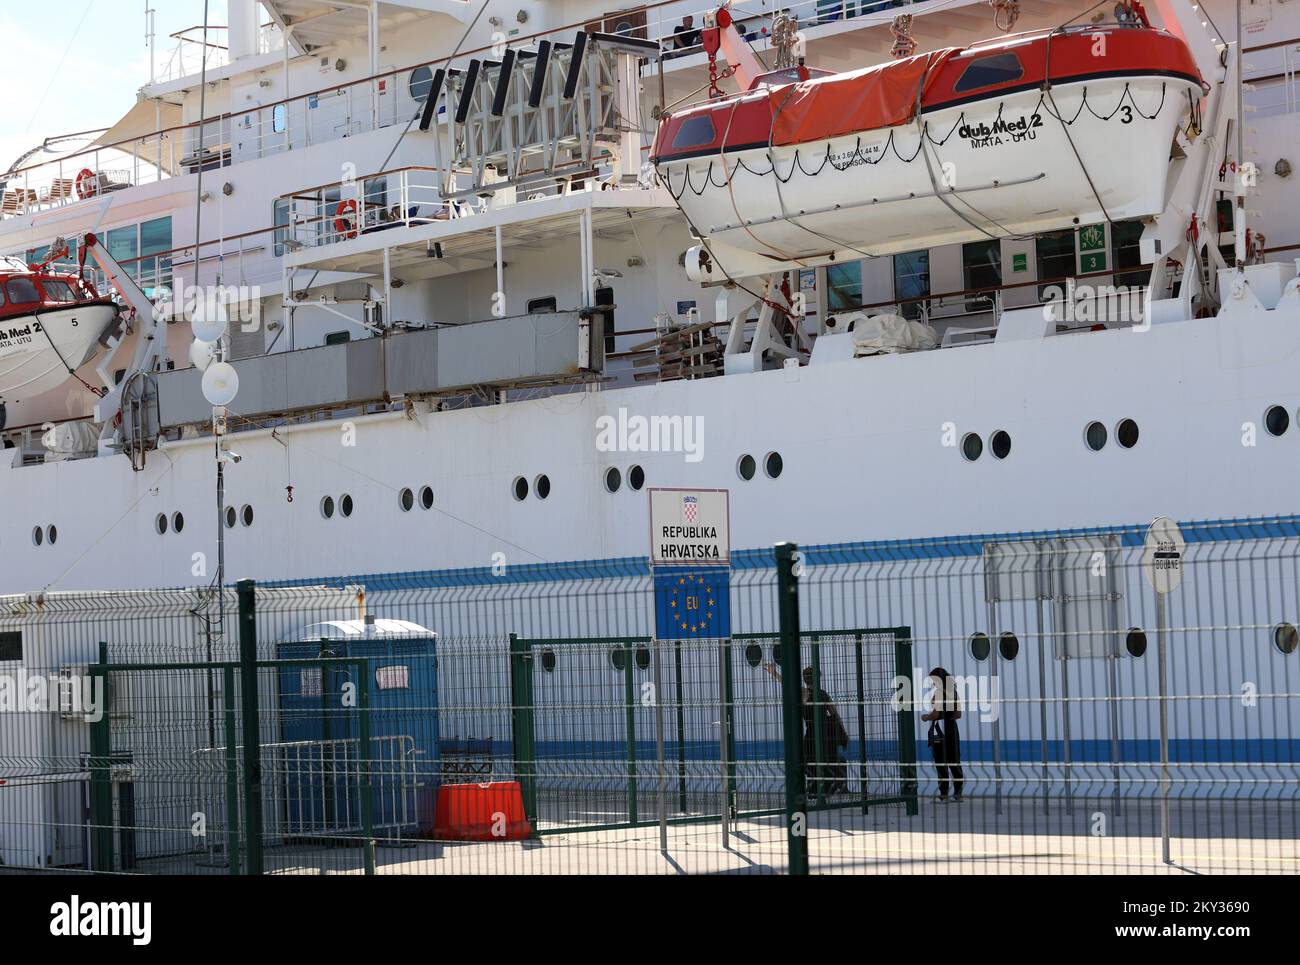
886 332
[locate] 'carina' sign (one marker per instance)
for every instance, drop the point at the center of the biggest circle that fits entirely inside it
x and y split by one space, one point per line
690 526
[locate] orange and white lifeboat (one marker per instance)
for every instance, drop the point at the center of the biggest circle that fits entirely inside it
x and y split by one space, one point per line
50 323
1024 133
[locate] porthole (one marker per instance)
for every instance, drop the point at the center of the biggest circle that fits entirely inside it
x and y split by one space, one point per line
1008 646
38 536
1126 433
613 480
548 660
979 646
345 505
753 654
746 467
618 657
643 657
247 515
52 534
426 497
773 465
520 486
1277 420
776 654
178 522
1135 642
160 523
232 517
327 507
1095 436
1285 638
636 477
1000 444
972 446
406 500
420 83
542 486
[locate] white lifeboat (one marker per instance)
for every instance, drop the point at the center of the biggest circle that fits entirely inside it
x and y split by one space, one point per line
50 324
1020 134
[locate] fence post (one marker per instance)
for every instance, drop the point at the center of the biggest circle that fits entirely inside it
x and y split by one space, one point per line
232 768
796 798
906 722
101 772
364 766
629 696
521 724
247 594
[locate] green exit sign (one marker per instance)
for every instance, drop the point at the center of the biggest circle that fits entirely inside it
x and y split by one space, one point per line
1092 248
1020 262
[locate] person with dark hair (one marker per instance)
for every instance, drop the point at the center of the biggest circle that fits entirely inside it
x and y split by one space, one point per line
944 737
824 766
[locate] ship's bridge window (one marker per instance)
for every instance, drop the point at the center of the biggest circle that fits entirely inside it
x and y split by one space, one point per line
22 291
58 291
694 132
993 69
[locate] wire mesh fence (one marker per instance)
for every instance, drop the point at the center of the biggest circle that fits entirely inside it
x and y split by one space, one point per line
463 723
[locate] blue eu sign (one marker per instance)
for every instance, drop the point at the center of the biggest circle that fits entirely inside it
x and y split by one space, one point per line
692 603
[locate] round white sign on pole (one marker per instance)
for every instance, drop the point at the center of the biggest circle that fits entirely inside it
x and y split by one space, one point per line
1162 558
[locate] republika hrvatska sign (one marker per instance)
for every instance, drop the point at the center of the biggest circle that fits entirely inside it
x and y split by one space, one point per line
690 527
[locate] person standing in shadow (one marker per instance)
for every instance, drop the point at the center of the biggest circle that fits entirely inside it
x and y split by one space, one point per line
944 737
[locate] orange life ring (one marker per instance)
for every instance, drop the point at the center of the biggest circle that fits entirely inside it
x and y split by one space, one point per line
345 222
86 184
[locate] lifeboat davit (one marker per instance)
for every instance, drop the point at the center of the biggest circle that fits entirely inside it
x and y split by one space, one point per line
50 324
1024 133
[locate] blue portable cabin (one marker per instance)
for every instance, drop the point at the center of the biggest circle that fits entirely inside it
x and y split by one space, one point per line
317 762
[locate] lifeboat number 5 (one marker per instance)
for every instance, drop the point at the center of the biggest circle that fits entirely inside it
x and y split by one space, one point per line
345 218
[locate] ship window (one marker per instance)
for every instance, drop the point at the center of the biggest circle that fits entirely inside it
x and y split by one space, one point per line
613 480
911 281
981 265
979 646
124 245
338 338
327 507
773 465
1000 444
520 486
636 477
406 500
1055 253
548 660
746 467
280 216
694 132
248 515
642 657
542 486
58 291
22 291
38 536
1126 433
279 118
52 534
972 446
1125 237
1135 642
426 497
11 645
1285 638
178 522
1095 436
753 654
994 69
1008 646
617 658
420 83
844 285
1276 420
538 305
231 517
345 505
160 523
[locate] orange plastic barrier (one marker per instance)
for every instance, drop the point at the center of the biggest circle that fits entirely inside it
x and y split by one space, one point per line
472 812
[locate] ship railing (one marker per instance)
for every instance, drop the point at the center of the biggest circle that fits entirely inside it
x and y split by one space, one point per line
1269 74
756 26
191 53
341 211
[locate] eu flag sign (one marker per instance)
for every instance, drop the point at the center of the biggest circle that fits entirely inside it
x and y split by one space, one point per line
692 603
